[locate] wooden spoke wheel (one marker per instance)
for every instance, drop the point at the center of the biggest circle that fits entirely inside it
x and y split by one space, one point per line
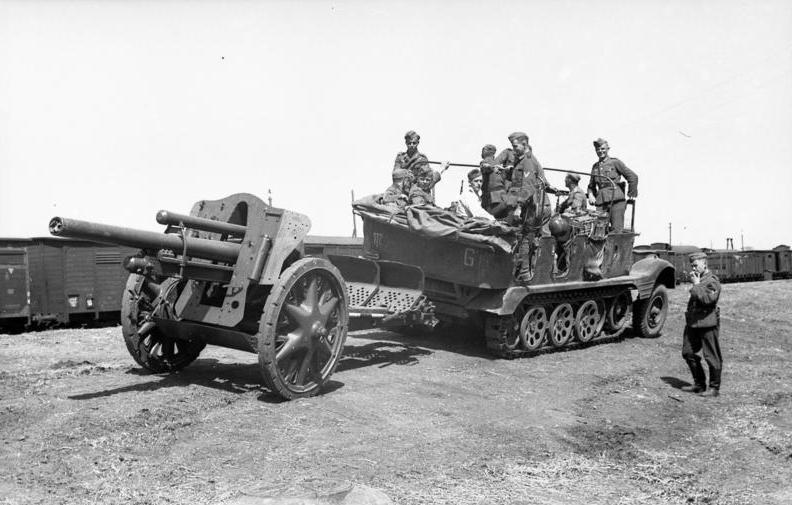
303 329
533 328
588 321
618 311
562 324
149 346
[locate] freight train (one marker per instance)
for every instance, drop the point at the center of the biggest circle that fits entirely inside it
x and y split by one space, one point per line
728 264
48 281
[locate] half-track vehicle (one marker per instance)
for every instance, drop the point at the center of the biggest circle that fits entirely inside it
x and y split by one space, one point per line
467 278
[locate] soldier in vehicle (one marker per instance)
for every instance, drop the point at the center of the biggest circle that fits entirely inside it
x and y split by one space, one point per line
421 190
607 195
411 159
528 194
469 203
494 183
397 193
575 202
702 328
528 188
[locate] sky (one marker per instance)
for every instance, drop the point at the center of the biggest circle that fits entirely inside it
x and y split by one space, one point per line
113 110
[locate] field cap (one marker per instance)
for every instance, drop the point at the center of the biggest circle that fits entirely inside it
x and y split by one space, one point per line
473 174
697 256
517 135
574 177
411 134
600 142
489 148
400 174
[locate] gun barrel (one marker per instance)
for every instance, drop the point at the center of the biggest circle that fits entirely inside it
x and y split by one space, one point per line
200 223
196 247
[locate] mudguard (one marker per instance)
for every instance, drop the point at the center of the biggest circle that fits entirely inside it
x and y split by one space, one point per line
650 271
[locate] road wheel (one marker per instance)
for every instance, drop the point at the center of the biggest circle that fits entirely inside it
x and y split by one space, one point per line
562 323
588 322
533 328
303 328
618 312
148 345
649 314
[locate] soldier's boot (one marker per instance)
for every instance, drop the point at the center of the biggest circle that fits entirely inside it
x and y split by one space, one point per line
695 388
710 393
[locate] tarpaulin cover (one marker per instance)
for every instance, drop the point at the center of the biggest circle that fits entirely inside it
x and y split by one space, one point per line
431 221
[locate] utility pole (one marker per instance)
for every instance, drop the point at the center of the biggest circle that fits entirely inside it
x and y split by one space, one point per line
269 197
742 243
669 233
354 222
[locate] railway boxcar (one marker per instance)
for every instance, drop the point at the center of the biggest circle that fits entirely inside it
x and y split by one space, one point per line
783 262
677 255
14 293
737 266
70 280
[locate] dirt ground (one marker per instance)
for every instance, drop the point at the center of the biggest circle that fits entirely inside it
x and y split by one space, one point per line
425 420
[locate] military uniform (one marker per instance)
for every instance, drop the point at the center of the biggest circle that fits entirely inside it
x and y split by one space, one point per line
575 202
527 189
610 197
702 329
394 195
412 163
420 197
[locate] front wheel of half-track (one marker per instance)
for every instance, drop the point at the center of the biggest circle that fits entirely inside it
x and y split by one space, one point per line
154 351
649 314
303 328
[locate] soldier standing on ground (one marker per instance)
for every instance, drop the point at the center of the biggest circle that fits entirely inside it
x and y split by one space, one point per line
607 195
702 328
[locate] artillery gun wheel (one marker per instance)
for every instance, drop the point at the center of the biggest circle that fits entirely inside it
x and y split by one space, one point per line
562 322
533 328
588 321
154 350
649 314
303 328
618 312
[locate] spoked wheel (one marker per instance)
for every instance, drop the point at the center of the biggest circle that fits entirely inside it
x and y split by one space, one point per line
147 344
303 329
533 328
618 312
588 322
562 322
649 315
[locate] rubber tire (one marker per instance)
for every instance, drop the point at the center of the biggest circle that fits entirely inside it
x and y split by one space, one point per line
642 323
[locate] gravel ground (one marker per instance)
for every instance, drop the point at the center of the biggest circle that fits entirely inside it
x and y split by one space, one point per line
427 419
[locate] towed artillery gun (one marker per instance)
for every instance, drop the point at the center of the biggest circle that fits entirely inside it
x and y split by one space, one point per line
217 277
232 274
